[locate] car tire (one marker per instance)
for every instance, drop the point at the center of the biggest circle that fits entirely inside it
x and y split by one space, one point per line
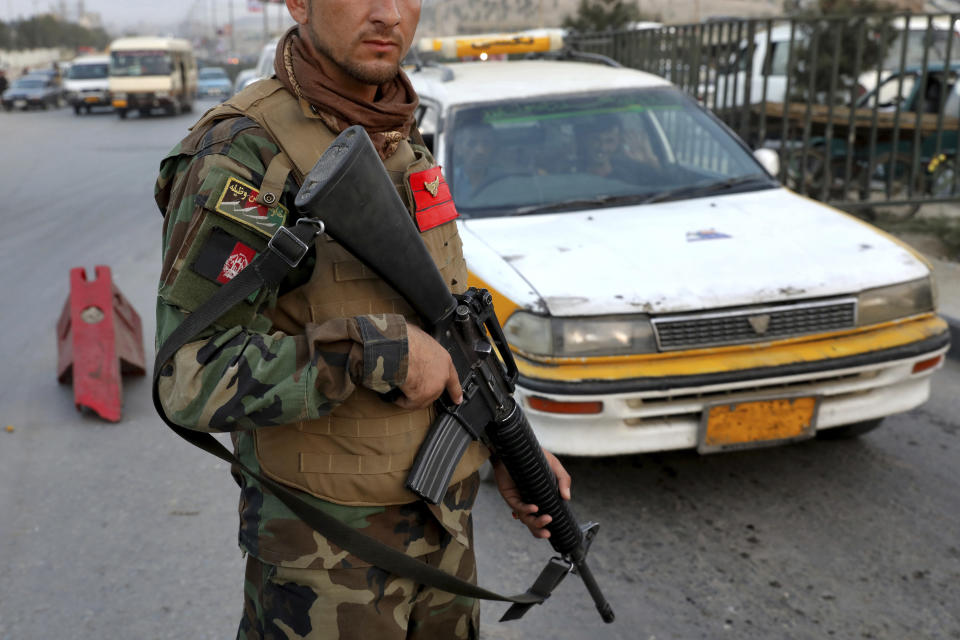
943 181
77 109
873 186
122 113
848 431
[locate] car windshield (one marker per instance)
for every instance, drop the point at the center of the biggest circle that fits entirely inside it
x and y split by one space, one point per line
916 45
139 63
568 152
212 73
88 71
30 83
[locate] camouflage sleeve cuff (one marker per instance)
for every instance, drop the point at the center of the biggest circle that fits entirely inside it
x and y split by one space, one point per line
385 351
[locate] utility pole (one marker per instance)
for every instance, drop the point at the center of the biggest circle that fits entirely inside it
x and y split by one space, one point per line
213 19
233 40
266 22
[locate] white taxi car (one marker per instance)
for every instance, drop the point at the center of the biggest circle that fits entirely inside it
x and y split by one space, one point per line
659 288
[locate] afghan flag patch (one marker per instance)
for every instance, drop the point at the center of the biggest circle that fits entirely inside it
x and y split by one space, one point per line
222 257
238 201
432 199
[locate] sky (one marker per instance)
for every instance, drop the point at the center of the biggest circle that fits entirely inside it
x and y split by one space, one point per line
125 13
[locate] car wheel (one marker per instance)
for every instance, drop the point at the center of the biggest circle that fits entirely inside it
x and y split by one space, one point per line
848 431
889 179
943 181
122 113
77 109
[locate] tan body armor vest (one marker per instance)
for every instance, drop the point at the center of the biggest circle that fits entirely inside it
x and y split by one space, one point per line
361 452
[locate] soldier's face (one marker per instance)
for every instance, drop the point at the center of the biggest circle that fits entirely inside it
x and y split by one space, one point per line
365 40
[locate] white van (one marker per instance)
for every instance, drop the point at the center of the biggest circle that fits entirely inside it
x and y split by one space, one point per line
152 73
87 83
771 56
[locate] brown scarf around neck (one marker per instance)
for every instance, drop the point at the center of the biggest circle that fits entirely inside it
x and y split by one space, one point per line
388 119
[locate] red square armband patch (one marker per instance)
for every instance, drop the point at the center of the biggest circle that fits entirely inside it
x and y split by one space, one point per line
432 199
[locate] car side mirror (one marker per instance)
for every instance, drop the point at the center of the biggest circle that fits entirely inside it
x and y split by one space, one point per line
769 160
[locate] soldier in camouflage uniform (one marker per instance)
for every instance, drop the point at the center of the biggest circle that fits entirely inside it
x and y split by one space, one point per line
269 372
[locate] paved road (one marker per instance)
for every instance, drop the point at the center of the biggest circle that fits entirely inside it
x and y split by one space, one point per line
122 531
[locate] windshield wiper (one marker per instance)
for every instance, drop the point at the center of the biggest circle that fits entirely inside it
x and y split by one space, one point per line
580 203
712 188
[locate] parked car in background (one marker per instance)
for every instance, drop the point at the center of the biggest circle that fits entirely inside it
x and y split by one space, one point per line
768 66
243 79
659 289
213 82
265 62
912 38
33 91
87 83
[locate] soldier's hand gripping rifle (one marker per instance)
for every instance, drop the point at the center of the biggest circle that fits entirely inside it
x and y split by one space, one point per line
360 207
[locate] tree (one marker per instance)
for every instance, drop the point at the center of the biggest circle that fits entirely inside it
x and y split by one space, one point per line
603 15
47 31
6 36
854 24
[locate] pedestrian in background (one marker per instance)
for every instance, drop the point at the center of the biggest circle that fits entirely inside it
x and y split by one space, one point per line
295 374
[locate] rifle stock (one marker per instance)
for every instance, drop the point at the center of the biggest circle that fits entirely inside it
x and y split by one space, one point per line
369 219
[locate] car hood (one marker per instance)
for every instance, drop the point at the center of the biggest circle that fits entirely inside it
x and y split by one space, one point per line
758 247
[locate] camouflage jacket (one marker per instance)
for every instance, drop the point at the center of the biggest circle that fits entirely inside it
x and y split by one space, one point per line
241 375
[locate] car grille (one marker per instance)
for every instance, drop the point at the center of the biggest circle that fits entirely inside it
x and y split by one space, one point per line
757 324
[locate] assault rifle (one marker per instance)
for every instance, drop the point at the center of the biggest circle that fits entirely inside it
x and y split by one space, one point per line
349 190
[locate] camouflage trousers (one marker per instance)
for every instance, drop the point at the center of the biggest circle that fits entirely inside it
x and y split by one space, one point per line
283 603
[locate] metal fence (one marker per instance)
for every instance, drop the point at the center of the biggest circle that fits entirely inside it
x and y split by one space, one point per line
864 110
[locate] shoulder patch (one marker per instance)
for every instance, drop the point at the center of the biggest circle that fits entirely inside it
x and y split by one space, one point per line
431 195
238 201
222 257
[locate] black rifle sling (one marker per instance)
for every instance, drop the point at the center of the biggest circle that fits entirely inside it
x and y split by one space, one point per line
267 269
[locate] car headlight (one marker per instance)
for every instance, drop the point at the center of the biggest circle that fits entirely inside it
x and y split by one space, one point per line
897 301
580 337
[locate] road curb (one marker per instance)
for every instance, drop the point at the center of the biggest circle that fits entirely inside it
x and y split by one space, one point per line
954 324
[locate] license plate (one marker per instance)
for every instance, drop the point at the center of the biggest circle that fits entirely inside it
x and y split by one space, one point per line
19 104
92 99
743 425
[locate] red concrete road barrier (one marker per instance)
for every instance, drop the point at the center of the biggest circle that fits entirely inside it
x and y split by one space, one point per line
99 337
